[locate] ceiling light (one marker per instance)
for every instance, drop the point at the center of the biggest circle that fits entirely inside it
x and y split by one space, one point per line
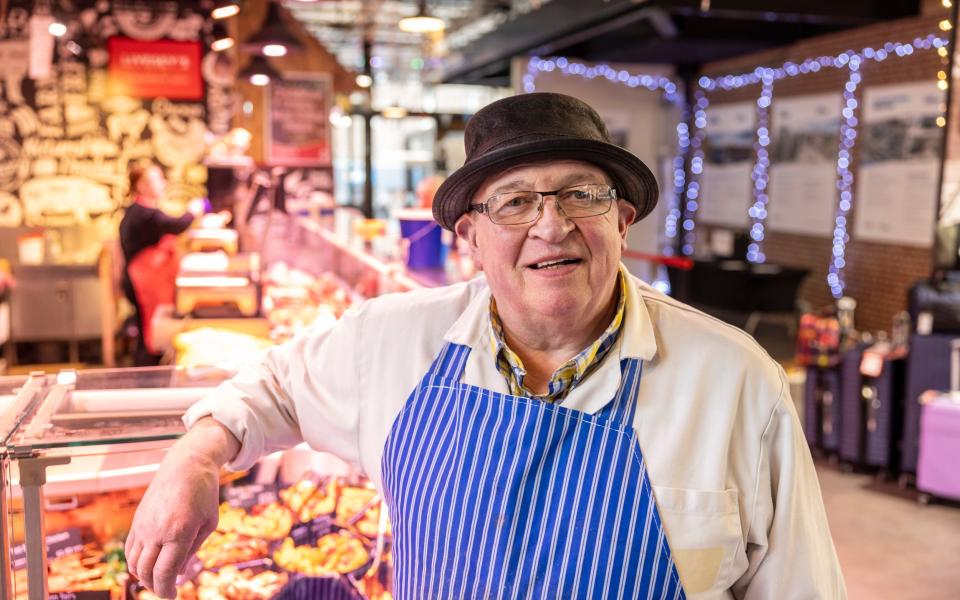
274 50
225 10
274 32
222 44
259 72
57 29
364 81
422 22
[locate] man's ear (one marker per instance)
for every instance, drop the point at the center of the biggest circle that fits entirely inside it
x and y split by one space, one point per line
466 229
626 213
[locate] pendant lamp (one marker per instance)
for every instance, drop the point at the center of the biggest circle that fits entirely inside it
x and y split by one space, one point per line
273 39
422 22
259 72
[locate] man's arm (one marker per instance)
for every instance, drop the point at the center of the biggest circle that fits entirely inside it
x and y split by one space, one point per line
304 388
789 546
180 507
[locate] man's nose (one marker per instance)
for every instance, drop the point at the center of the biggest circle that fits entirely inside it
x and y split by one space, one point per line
553 224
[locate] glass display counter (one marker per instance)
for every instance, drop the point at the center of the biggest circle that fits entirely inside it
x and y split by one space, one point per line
83 446
79 434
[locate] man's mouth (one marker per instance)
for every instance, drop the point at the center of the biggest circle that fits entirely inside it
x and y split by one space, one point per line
555 263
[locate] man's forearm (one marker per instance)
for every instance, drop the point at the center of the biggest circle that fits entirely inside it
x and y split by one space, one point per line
210 439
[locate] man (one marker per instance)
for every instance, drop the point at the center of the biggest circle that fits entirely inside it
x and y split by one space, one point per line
555 429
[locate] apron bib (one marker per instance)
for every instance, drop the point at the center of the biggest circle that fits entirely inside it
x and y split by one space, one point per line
498 496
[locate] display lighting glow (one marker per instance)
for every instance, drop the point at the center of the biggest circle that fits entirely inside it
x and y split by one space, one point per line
766 76
364 80
671 93
57 29
275 50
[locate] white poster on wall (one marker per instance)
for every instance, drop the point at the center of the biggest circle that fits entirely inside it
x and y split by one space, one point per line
725 185
900 143
803 164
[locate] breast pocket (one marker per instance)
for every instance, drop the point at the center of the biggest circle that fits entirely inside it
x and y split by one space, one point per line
703 529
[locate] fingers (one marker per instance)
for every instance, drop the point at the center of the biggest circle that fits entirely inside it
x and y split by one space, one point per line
129 544
205 530
132 551
170 561
145 563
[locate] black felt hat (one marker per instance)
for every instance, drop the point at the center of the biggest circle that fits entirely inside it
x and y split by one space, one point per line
539 127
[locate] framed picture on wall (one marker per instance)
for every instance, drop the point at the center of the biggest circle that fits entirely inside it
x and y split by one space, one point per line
297 124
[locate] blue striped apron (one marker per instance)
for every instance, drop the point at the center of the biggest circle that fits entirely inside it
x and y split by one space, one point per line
497 496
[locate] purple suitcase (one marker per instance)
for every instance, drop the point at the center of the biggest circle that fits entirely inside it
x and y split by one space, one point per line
928 368
937 470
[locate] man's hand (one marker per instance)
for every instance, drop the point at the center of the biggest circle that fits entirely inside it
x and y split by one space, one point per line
180 508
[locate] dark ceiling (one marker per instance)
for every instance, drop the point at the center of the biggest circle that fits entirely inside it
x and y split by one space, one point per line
676 32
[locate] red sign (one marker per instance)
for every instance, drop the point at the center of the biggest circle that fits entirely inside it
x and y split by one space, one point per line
162 69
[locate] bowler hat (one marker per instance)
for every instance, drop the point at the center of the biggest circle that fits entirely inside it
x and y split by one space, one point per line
540 127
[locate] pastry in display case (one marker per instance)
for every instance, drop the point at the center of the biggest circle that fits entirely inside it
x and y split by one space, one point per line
82 455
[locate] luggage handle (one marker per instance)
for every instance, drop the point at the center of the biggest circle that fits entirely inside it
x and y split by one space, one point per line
954 366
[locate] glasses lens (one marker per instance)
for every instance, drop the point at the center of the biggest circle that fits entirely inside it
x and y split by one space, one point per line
585 200
512 208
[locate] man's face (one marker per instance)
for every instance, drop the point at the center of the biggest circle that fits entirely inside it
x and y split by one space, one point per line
512 256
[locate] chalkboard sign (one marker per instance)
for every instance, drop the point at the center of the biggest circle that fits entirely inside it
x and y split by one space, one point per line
60 543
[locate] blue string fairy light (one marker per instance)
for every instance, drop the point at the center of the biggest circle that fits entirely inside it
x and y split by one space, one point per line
671 93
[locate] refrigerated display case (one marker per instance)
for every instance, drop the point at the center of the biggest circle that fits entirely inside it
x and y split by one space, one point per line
84 446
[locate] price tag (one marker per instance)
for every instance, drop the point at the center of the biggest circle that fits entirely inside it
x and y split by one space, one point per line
871 365
248 496
82 595
59 543
925 323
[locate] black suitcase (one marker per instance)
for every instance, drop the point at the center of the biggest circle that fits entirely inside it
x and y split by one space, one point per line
940 300
883 413
821 408
928 368
851 407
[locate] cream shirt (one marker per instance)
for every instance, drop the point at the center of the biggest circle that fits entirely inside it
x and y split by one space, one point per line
731 471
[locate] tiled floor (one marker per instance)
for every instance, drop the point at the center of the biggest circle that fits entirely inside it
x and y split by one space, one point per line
891 547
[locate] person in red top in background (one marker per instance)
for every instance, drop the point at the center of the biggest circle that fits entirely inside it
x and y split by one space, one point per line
147 237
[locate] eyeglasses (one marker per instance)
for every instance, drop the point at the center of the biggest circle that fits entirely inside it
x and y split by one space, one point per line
575 202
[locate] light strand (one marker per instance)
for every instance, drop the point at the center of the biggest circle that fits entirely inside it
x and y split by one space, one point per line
852 61
761 170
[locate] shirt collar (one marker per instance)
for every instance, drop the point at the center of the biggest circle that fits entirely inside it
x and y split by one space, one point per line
637 340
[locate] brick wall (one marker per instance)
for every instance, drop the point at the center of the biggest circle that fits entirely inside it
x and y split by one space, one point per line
877 275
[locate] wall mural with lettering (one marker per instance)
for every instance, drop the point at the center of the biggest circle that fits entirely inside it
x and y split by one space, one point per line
73 116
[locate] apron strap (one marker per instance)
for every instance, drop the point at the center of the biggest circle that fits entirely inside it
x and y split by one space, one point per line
623 407
450 363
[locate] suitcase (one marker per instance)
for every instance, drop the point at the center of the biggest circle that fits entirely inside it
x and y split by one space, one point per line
883 415
851 407
928 368
821 408
937 471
